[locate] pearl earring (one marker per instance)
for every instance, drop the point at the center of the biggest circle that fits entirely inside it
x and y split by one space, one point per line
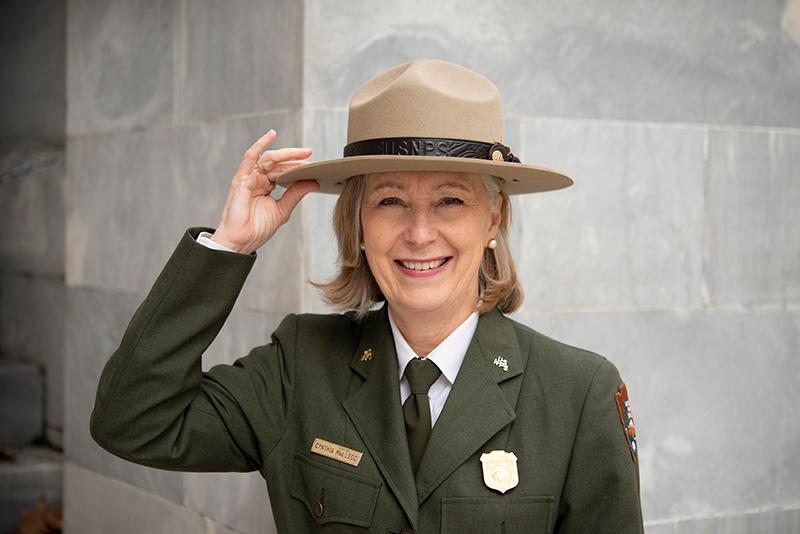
492 244
362 246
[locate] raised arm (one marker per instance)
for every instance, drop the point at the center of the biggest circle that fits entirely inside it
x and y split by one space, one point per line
154 405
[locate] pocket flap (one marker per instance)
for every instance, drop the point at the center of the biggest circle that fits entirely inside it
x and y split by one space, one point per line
333 495
481 515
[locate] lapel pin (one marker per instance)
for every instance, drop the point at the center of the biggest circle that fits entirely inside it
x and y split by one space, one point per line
366 355
500 470
501 362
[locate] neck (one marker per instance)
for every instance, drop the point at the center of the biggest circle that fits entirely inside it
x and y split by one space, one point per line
424 331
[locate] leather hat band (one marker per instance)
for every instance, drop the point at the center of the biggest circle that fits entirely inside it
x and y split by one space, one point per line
430 146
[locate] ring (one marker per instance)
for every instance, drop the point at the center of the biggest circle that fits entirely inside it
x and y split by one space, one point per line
258 164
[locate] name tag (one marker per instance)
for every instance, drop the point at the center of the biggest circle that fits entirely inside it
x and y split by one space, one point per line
336 452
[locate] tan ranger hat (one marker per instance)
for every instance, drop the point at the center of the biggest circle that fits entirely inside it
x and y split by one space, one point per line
427 115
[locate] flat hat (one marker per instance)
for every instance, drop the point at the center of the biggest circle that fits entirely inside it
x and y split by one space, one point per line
427 115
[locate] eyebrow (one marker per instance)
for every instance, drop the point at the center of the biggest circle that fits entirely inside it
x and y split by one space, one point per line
455 185
386 185
395 185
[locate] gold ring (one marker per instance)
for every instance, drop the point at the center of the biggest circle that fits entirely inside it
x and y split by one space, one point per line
258 164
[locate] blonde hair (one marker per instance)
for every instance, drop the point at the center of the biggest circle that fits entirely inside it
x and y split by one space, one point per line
354 287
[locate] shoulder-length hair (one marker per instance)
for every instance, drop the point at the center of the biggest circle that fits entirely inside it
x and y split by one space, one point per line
354 287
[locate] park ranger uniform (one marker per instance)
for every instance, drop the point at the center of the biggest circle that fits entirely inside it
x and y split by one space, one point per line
535 436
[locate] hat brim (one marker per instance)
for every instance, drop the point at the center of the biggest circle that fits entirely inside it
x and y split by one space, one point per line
517 177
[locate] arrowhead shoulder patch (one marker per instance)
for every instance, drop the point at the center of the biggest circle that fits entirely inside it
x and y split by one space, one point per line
626 418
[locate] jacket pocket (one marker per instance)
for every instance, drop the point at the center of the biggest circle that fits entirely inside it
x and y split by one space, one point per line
333 495
496 515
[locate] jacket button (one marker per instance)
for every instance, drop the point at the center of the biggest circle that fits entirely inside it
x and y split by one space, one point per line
319 509
406 531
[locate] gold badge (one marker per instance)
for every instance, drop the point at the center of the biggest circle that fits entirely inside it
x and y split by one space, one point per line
336 452
366 355
497 156
500 470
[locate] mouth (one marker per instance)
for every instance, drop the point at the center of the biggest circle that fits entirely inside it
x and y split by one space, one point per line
427 266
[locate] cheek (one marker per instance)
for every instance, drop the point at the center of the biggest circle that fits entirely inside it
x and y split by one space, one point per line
369 229
380 228
377 240
473 236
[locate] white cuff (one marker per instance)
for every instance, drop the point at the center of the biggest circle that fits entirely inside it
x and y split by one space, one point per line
205 239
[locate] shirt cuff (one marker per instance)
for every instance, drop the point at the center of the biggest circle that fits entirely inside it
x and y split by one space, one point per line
204 238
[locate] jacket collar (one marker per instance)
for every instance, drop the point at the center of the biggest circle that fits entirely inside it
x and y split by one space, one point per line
480 403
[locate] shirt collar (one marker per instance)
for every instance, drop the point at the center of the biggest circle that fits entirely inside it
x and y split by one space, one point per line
447 355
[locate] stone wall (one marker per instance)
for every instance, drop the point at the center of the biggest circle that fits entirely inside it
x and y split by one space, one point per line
675 254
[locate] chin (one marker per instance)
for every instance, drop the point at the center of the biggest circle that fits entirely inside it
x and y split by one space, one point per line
425 304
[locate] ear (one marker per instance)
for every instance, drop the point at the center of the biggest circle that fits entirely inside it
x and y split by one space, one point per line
495 216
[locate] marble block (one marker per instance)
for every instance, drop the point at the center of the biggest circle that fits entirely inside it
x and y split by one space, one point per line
237 500
243 57
32 210
119 64
753 209
716 61
629 232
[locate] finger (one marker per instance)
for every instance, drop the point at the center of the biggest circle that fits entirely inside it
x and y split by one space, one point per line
259 183
251 154
263 183
283 154
284 166
275 169
293 195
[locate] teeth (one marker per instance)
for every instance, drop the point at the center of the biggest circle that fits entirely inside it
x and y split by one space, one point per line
422 266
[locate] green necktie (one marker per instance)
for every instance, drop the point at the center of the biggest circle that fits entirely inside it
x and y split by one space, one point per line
421 374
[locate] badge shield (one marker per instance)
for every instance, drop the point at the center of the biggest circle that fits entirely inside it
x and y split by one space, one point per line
500 470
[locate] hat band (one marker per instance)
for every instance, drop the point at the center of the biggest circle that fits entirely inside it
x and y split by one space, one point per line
430 146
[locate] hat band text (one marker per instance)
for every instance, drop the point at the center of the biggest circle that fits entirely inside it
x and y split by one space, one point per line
430 146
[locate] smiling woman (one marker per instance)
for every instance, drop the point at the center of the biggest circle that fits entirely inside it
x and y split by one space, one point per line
446 199
422 407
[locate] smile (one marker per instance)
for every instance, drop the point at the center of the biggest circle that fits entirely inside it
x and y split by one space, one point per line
423 265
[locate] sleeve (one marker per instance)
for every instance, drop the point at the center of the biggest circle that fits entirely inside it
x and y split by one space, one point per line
154 404
601 492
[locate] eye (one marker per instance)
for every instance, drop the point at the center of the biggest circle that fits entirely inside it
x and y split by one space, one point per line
390 201
451 201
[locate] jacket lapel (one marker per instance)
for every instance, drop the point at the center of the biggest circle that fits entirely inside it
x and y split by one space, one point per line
479 405
375 410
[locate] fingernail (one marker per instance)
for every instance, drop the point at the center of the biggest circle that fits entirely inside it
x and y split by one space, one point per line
271 130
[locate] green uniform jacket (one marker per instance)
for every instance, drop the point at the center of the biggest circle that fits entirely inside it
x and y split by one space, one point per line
551 404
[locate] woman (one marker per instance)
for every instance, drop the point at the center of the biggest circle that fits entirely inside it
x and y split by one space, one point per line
432 413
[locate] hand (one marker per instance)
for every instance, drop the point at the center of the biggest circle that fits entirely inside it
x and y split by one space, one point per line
251 215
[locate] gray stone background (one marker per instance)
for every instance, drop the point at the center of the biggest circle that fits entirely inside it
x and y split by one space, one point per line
676 254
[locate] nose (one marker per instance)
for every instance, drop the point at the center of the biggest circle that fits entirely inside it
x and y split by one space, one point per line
420 228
